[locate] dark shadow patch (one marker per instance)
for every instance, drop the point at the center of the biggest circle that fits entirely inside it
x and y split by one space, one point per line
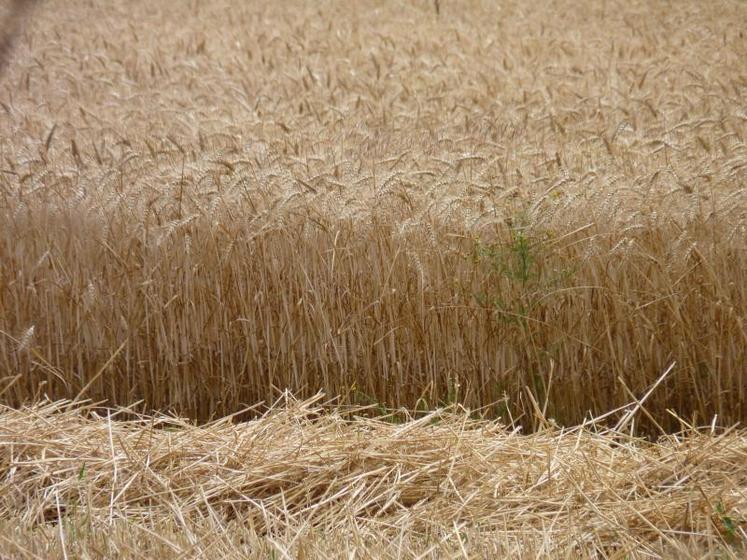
11 26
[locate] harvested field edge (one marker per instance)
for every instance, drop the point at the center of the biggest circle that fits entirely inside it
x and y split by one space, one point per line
509 237
307 480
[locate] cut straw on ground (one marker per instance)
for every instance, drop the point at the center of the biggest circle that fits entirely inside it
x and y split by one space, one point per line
308 480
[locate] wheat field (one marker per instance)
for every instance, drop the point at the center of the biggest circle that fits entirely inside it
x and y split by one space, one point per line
526 219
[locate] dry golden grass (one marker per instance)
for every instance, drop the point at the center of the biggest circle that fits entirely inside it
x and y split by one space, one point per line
305 482
531 209
219 201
